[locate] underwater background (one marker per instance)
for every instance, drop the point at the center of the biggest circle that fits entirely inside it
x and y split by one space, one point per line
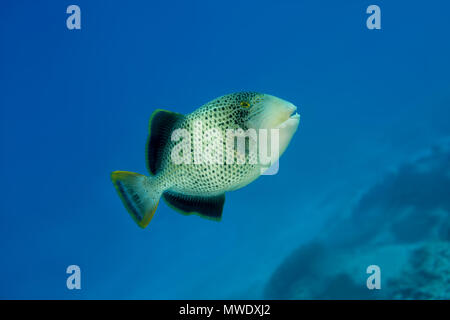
365 180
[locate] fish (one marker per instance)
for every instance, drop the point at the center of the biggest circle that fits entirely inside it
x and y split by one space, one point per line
194 159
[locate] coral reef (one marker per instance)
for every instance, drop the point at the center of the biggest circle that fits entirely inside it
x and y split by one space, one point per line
401 224
427 276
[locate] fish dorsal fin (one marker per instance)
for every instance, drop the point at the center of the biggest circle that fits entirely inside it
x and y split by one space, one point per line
206 207
162 123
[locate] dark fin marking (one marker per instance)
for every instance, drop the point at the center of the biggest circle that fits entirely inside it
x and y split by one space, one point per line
206 207
162 123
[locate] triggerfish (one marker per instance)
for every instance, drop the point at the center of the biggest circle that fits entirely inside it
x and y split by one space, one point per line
195 159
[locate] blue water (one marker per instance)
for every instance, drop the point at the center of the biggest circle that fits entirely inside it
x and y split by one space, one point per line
75 104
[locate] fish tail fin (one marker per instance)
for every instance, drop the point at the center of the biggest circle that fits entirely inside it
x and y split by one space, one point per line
139 194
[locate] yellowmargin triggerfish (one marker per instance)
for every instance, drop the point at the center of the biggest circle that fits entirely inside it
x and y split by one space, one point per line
188 156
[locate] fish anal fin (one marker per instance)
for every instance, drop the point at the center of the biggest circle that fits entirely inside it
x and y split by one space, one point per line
206 207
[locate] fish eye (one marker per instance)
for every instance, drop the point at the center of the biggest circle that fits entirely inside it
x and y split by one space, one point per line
245 104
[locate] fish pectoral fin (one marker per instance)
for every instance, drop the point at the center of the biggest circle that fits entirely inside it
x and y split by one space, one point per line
206 207
162 123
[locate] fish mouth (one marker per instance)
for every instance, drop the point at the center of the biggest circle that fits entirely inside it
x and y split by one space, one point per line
293 119
274 113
